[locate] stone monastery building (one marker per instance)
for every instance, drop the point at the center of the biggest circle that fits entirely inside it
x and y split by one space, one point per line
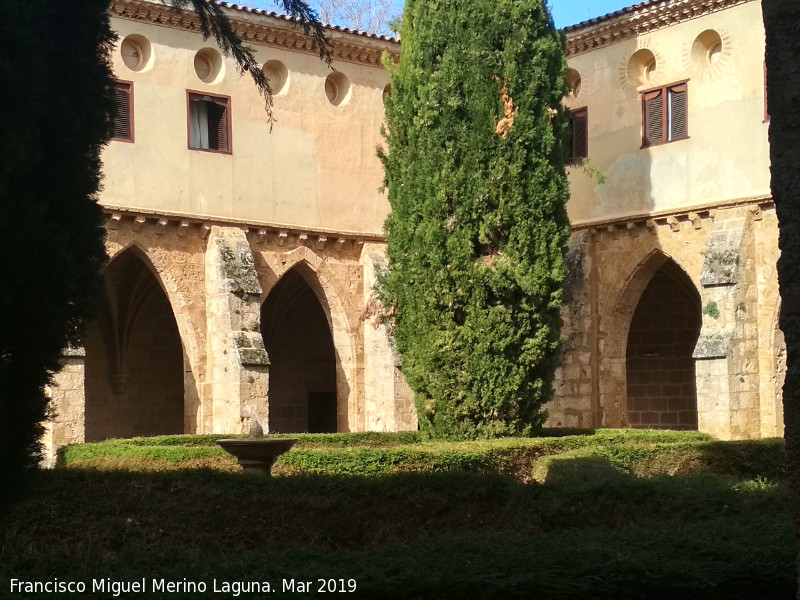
243 261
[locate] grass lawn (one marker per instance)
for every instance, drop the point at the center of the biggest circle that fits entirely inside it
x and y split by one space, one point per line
612 514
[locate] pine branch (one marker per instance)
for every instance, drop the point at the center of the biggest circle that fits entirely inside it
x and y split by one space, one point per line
215 23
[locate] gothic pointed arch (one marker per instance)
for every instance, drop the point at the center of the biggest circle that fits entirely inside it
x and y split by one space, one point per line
134 378
622 299
295 326
659 366
342 317
169 272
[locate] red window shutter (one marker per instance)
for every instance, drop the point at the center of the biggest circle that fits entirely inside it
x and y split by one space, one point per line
218 135
580 134
578 143
122 116
209 122
677 114
223 136
653 117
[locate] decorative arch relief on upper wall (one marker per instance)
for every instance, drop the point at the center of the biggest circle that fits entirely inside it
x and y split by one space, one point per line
643 68
708 55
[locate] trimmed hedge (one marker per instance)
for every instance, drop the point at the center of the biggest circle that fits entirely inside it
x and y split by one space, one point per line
636 452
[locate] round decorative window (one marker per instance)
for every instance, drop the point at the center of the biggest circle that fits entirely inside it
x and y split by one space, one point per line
136 52
278 76
208 65
641 67
337 88
574 81
707 49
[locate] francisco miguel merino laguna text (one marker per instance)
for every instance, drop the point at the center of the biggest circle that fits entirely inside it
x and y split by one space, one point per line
234 588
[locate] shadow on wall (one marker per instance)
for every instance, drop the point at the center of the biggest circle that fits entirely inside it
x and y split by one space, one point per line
134 377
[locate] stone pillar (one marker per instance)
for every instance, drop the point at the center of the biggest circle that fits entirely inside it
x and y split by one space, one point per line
727 351
576 390
67 406
238 366
389 402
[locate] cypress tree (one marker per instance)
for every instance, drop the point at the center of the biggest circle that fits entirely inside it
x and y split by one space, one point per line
475 174
55 96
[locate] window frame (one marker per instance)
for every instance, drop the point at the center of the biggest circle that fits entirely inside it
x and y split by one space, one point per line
118 83
228 121
572 157
666 120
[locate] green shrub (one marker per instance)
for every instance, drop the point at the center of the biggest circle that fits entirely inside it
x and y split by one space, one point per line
639 453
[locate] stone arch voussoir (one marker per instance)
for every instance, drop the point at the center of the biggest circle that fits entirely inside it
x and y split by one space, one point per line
165 273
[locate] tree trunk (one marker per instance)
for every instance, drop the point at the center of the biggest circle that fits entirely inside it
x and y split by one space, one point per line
782 24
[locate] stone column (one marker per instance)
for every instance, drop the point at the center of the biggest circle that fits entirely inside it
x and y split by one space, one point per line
238 366
389 402
67 405
726 354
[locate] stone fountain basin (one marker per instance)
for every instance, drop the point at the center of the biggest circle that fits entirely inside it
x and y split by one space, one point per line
257 455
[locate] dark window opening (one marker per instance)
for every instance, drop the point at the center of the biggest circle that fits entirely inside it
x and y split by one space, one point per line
209 123
578 147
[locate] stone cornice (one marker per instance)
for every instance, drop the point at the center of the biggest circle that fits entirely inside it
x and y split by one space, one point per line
674 217
638 20
162 222
266 28
272 29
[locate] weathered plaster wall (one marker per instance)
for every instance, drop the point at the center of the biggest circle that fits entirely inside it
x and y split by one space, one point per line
316 167
726 155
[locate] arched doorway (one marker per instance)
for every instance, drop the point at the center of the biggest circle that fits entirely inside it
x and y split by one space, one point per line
134 358
302 372
660 371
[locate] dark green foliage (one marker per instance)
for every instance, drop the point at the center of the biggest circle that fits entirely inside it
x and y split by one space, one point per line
644 454
596 527
54 98
478 222
782 27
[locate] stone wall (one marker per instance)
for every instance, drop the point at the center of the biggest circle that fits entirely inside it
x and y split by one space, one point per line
182 332
219 322
727 254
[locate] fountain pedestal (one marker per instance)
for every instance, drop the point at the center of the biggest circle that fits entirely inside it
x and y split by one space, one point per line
257 455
